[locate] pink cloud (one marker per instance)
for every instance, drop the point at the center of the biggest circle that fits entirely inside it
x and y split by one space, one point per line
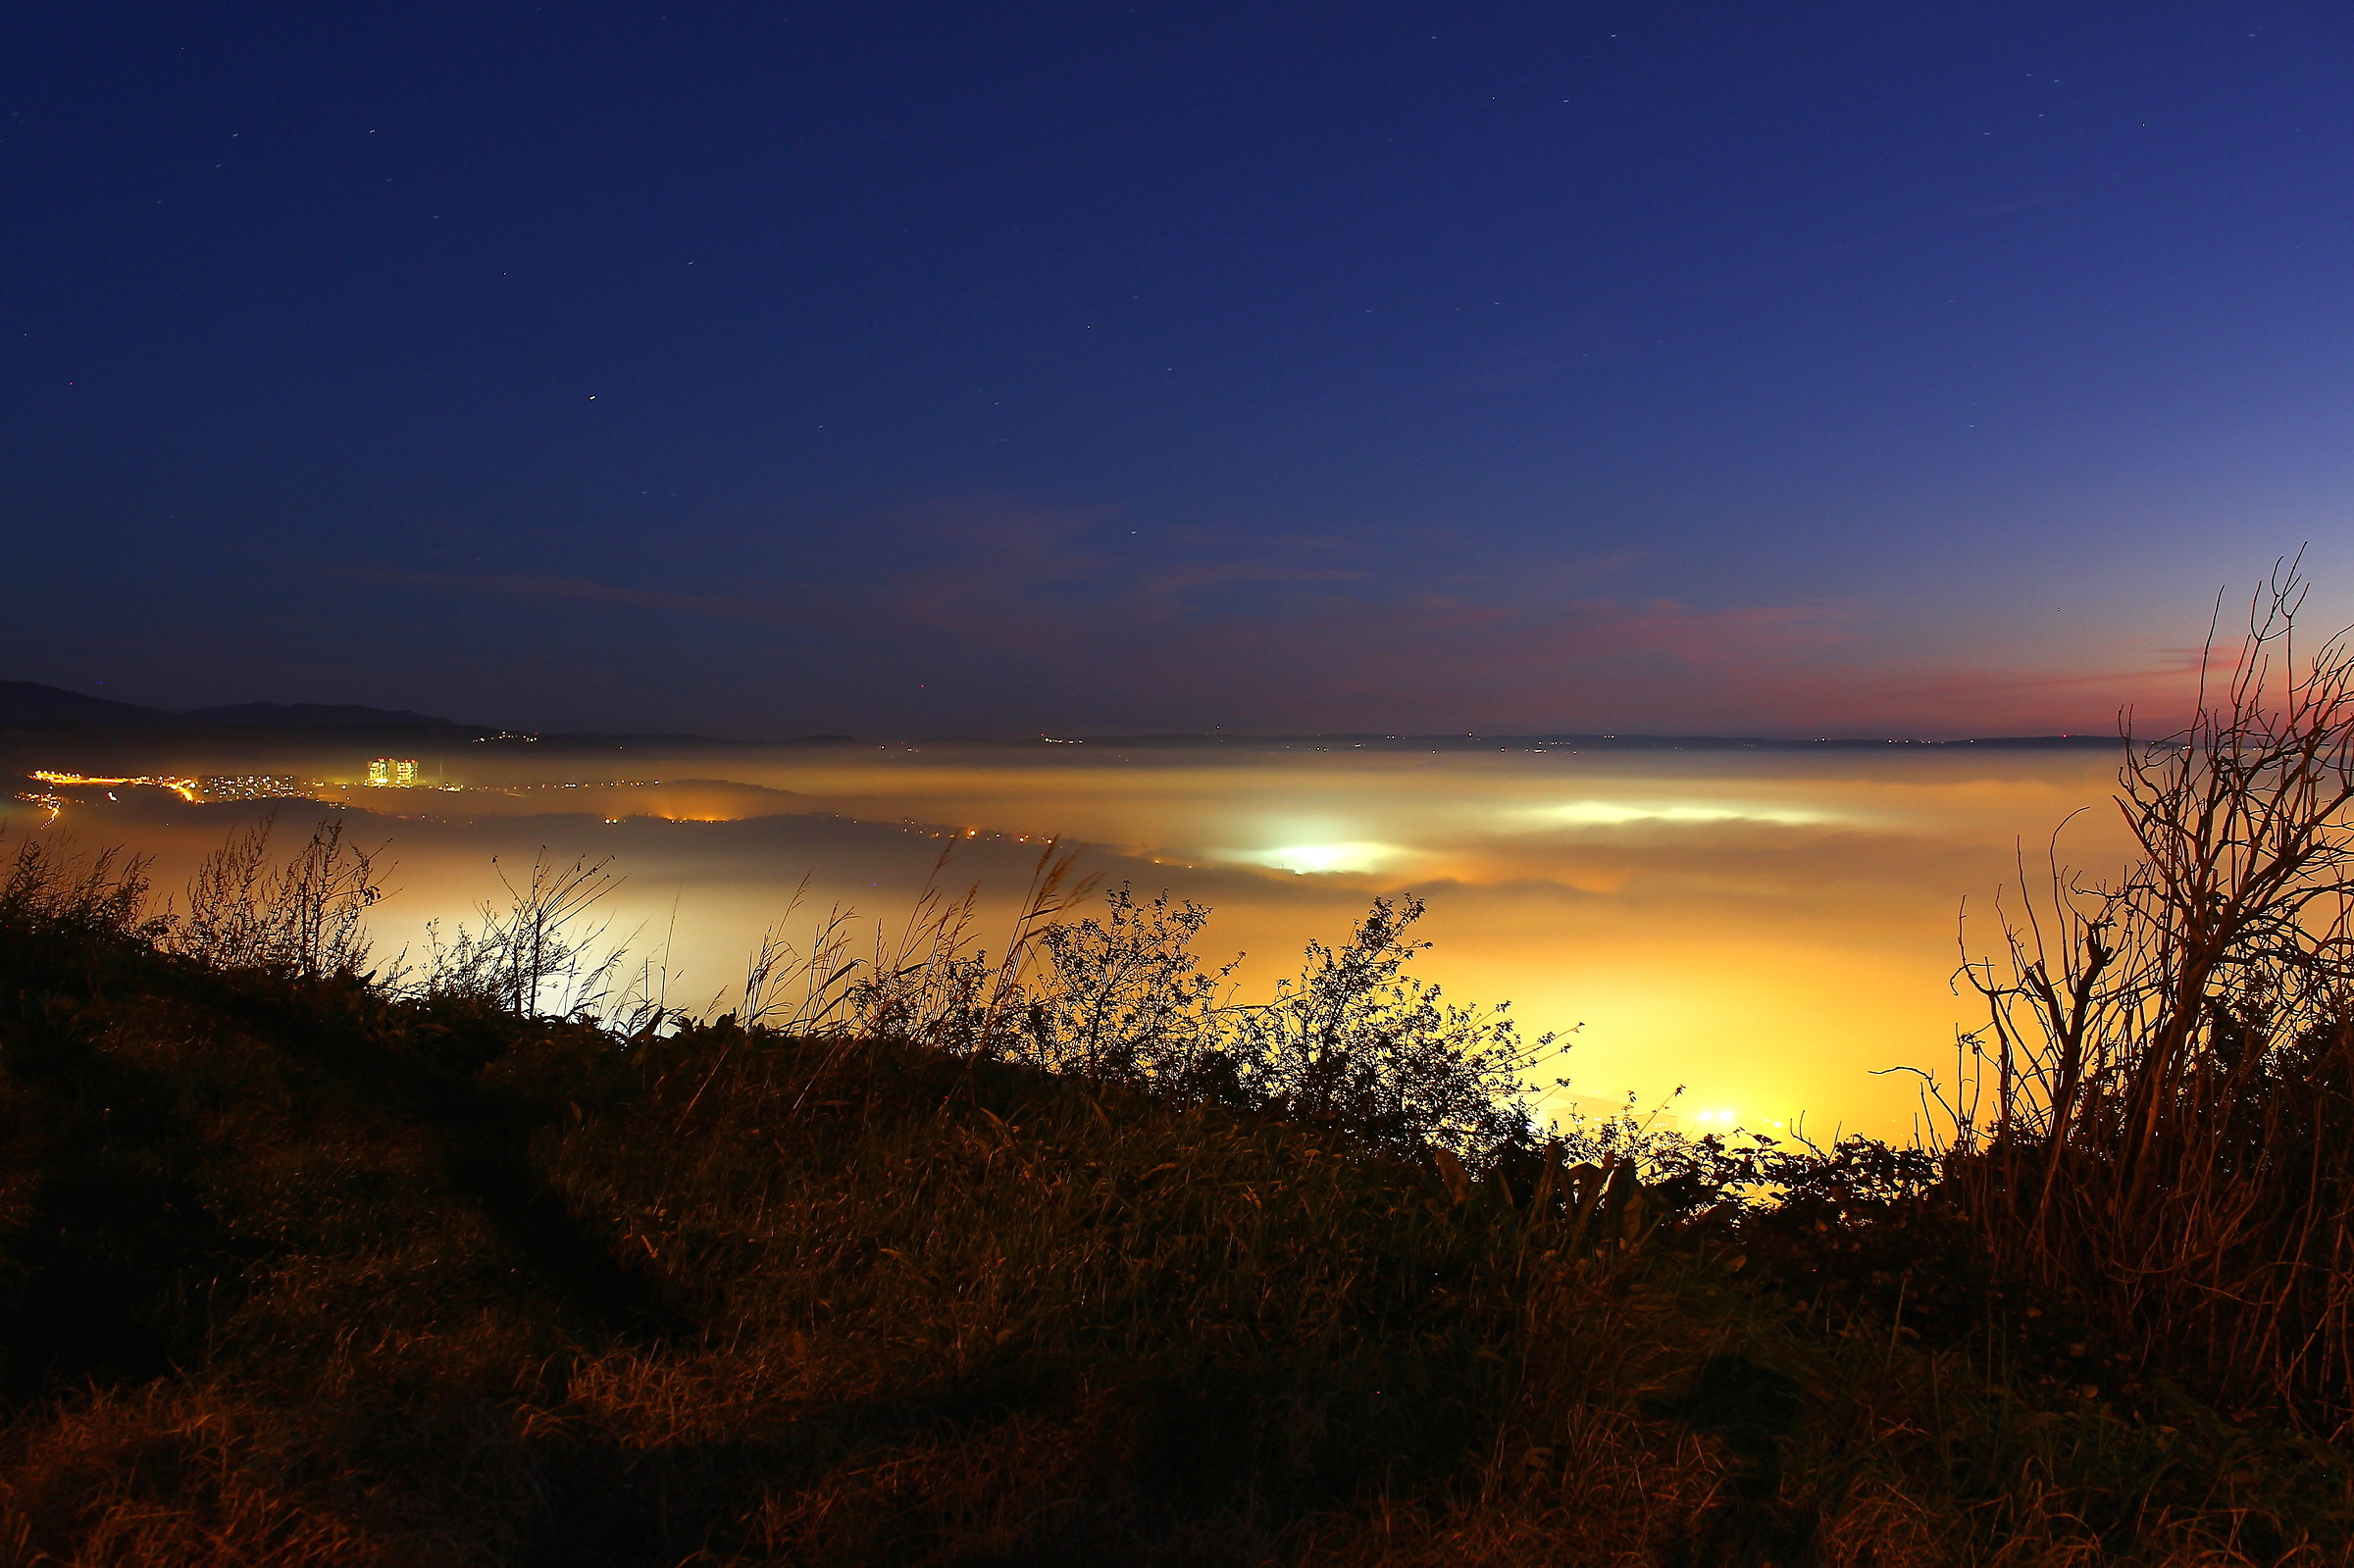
1280 632
525 585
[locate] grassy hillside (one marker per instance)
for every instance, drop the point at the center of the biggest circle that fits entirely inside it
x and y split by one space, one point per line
298 1270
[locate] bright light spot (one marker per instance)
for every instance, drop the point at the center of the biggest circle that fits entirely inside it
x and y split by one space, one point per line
1721 1116
1319 858
1625 813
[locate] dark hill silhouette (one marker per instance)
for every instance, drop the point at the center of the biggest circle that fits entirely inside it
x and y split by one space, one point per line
311 715
30 702
127 734
1512 741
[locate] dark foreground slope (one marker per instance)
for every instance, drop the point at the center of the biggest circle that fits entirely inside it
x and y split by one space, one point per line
294 1273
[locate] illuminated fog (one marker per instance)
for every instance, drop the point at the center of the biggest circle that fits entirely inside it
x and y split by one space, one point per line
1766 928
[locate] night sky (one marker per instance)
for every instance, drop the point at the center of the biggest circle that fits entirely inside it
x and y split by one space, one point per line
1769 368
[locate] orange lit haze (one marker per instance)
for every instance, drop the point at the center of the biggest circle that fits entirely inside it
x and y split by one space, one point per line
1769 929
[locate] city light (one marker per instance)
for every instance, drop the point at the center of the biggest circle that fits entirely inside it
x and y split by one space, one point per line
1321 859
253 786
188 790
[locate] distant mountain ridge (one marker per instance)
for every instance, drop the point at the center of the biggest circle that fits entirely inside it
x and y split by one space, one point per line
1354 742
308 715
30 702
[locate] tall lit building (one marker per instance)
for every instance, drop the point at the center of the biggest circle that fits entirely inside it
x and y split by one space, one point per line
392 773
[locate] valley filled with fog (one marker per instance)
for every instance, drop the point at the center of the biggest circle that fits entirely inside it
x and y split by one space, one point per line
1769 929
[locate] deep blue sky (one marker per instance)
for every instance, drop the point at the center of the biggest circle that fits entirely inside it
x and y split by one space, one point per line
1774 367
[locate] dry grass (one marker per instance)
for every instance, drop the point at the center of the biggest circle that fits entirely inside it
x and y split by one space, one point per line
305 918
301 1269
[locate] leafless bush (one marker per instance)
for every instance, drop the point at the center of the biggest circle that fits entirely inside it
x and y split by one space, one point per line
533 957
2157 1115
305 918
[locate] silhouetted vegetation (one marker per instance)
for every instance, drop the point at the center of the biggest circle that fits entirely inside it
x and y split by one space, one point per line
1056 1252
2153 1132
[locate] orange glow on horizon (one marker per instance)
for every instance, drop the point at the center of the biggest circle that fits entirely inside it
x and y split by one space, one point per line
1770 931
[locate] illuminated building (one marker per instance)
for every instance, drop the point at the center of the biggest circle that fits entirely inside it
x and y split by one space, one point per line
399 773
